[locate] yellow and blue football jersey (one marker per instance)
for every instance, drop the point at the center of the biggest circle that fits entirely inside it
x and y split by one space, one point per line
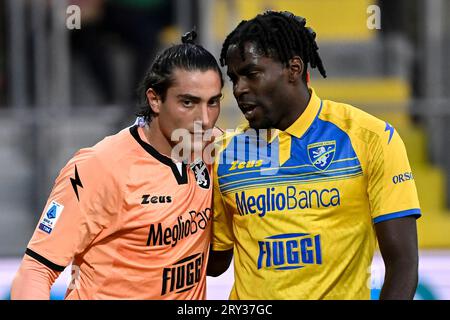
299 206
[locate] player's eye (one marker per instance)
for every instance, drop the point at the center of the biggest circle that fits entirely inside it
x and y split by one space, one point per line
214 102
252 74
187 103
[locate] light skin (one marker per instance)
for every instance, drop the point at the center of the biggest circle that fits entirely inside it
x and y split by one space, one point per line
194 97
192 100
272 95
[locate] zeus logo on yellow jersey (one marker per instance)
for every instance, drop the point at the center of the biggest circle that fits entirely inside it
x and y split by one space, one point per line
289 251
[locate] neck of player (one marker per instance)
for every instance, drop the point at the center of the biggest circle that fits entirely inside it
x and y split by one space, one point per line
157 139
294 111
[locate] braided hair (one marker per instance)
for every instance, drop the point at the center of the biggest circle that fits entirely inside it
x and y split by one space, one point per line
279 35
187 56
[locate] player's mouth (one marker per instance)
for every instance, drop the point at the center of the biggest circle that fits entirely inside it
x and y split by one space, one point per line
248 109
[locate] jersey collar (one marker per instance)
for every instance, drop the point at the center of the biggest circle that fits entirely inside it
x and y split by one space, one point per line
181 176
302 124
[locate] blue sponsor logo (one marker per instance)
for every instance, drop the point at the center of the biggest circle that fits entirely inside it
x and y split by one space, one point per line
290 251
51 213
391 131
45 228
291 199
403 177
321 154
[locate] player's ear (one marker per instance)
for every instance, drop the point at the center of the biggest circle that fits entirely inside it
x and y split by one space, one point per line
154 100
296 68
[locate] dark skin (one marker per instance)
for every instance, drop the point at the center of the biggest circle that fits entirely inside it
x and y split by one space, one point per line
272 95
264 89
397 239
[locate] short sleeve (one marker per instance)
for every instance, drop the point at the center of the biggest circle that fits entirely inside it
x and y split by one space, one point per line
222 227
391 187
83 202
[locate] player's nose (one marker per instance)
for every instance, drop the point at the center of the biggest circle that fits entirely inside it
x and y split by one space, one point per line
202 117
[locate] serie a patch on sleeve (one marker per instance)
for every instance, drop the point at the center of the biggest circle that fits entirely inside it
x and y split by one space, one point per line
51 216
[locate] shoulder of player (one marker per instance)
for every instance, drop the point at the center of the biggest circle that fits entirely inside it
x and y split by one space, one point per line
221 141
105 156
354 121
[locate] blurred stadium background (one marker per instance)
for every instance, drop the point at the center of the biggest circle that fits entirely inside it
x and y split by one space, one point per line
63 89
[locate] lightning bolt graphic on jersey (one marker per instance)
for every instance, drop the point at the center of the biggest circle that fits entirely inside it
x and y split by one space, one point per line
76 183
391 131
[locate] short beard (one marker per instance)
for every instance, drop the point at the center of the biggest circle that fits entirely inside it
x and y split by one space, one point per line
265 123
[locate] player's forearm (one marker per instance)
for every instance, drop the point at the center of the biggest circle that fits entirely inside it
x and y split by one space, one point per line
400 282
219 262
33 281
397 239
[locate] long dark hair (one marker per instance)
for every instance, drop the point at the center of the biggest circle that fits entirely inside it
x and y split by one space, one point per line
185 56
279 35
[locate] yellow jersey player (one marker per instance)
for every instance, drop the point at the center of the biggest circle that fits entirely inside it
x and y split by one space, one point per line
302 206
132 218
